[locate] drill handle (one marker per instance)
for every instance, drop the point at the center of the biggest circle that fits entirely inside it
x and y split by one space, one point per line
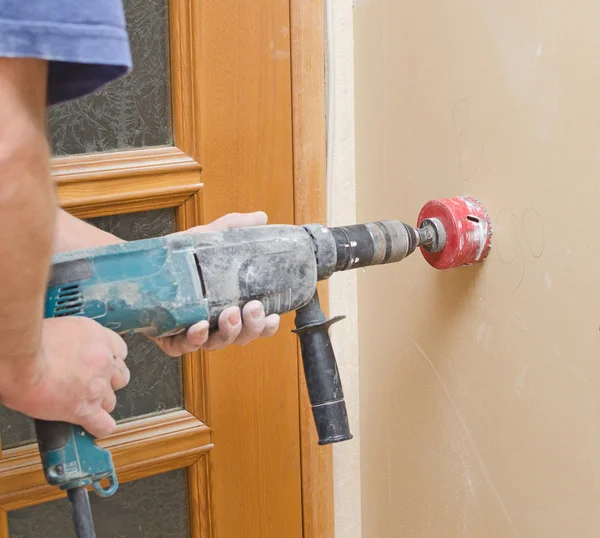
52 435
71 458
322 377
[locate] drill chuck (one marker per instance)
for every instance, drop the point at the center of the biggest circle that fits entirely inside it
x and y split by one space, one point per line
375 243
362 245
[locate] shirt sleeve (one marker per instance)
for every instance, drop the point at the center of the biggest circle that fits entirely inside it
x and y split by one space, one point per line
85 41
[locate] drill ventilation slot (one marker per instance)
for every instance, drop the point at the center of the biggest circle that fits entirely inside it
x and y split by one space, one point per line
69 301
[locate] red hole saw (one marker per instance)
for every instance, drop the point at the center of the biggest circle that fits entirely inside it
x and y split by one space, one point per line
465 231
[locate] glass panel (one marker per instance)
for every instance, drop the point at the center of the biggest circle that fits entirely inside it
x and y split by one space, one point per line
155 506
156 384
140 225
131 112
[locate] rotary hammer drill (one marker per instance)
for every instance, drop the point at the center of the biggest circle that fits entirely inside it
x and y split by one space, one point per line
162 286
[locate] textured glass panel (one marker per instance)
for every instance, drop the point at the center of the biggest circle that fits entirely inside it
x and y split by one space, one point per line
131 112
141 225
155 384
15 429
154 507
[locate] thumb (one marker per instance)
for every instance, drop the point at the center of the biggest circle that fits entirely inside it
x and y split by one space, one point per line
234 220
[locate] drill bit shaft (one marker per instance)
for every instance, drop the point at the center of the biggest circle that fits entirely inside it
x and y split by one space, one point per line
432 235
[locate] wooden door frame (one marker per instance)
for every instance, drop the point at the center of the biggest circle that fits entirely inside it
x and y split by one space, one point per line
126 181
310 206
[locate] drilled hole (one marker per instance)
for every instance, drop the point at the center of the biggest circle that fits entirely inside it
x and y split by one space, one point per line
473 219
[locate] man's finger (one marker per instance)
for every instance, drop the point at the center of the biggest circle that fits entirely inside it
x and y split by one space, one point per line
109 402
239 220
191 340
233 220
253 323
117 345
196 336
121 375
271 326
99 423
230 326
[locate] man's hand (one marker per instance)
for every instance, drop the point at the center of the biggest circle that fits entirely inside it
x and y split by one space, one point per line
72 379
235 327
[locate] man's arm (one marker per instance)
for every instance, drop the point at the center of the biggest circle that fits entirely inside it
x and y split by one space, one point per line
61 369
73 234
27 213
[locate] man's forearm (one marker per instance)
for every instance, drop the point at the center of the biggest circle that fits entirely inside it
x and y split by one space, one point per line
27 207
73 234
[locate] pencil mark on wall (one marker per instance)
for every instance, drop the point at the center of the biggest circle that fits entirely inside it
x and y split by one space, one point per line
508 243
515 236
470 437
460 116
533 230
469 143
522 277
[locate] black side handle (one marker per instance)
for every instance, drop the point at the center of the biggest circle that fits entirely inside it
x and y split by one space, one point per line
321 372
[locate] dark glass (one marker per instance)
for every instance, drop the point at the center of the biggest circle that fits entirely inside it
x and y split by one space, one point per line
155 384
131 112
147 508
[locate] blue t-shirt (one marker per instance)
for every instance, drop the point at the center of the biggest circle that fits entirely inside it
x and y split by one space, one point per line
85 41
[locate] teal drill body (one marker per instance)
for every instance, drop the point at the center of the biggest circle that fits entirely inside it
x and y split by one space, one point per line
139 286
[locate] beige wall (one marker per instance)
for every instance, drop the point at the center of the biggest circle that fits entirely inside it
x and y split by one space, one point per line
480 387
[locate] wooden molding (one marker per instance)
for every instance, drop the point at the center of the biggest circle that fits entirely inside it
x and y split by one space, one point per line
194 364
199 498
308 112
310 206
140 448
4 533
185 73
96 185
196 398
134 196
122 164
